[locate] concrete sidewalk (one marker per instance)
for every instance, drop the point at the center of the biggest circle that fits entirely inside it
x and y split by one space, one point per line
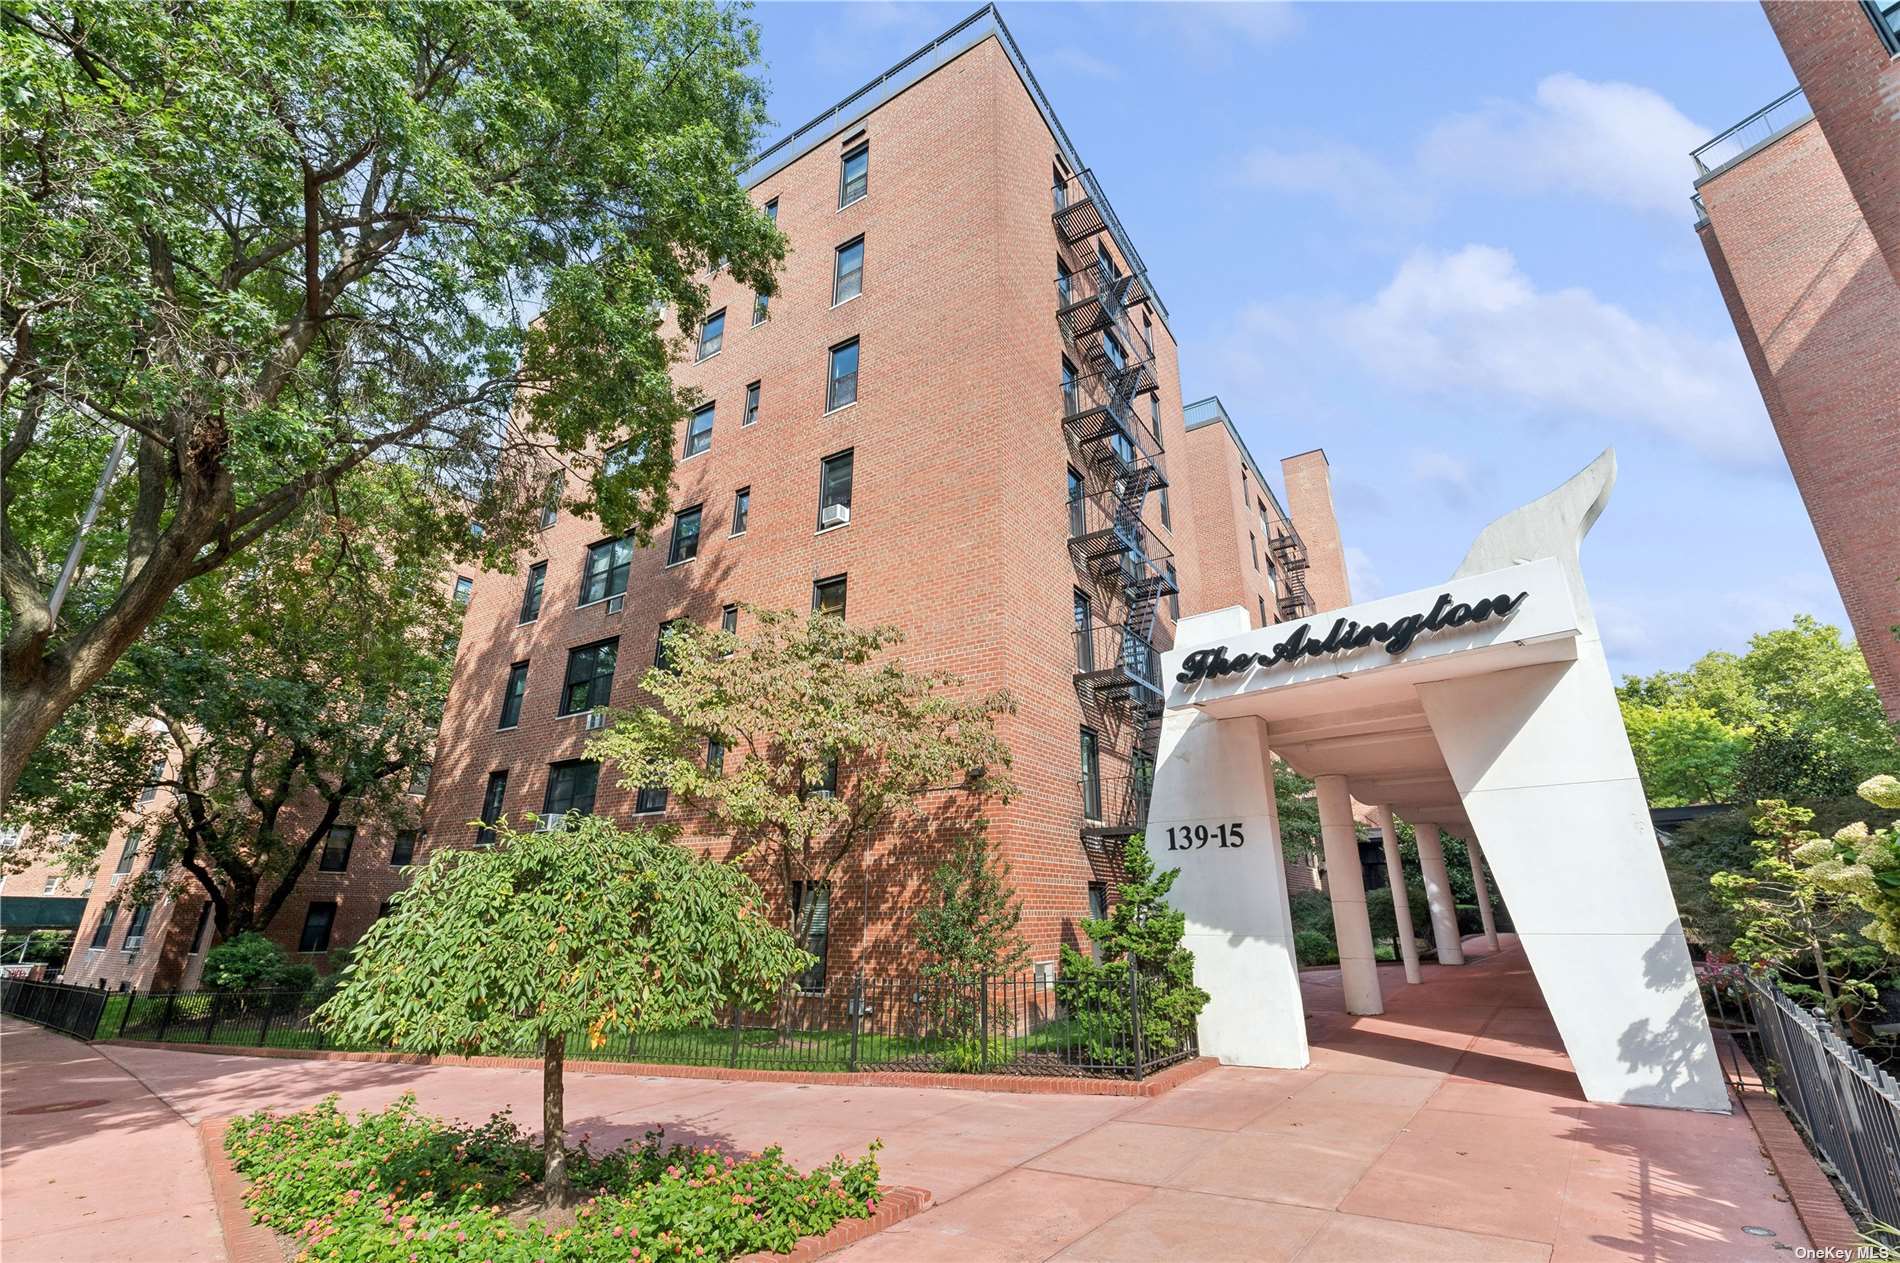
93 1165
1449 1128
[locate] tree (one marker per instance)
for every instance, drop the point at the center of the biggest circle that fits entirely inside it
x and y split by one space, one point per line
276 701
1791 922
1862 865
800 742
1796 716
585 931
968 926
1141 935
260 247
1298 808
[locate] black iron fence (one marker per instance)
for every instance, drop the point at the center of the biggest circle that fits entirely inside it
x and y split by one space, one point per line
56 1005
1026 1024
1847 1107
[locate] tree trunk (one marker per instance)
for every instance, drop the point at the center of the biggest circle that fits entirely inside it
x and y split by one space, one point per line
554 1188
1826 987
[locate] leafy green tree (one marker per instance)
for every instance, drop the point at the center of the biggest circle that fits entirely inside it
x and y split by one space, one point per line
269 245
1796 716
277 700
1791 921
1141 934
586 930
1862 865
822 741
1297 804
252 962
969 924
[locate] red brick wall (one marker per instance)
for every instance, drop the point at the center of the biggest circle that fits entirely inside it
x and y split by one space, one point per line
958 528
1853 85
1309 501
1818 312
1230 513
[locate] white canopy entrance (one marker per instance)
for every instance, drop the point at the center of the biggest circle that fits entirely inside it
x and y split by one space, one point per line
1482 707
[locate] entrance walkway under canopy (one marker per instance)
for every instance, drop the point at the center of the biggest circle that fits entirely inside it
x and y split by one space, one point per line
1447 1128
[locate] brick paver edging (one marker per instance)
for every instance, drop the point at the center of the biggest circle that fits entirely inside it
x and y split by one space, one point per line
1816 1202
1047 1085
249 1242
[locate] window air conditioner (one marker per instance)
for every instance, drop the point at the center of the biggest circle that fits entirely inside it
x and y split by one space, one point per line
596 719
616 603
834 515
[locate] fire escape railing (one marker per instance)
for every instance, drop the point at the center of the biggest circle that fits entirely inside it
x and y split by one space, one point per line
1113 440
1116 661
1288 551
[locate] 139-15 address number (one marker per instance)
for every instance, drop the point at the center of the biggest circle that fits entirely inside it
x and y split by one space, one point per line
1192 837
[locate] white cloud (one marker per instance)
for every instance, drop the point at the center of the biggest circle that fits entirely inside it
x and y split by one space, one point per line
1222 30
1353 178
1617 142
1083 63
1362 576
1451 476
1471 324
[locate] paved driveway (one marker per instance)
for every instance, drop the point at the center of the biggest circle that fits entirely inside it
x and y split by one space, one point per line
1449 1128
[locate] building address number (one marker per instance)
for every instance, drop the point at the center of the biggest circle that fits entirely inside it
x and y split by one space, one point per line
1192 837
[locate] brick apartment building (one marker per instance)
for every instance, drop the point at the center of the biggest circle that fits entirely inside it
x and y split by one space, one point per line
957 416
1800 216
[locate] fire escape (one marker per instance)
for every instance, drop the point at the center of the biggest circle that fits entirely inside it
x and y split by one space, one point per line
1289 556
1118 666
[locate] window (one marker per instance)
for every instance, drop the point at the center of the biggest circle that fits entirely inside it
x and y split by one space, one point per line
419 780
1064 283
49 885
1071 397
606 572
1148 332
1061 187
336 849
1885 15
834 486
842 387
712 334
847 272
551 502
1091 776
1263 610
491 807
1174 593
1154 415
1078 521
699 432
511 696
620 459
661 657
771 210
751 414
650 801
827 786
318 918
590 677
127 854
715 756
741 508
729 620
827 596
1112 349
152 777
685 545
761 308
813 899
135 929
102 933
854 175
1167 517
1084 633
404 849
571 787
1253 546
464 589
531 595
1098 900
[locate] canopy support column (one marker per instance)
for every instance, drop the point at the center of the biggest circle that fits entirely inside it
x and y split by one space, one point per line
1346 886
1401 898
1439 901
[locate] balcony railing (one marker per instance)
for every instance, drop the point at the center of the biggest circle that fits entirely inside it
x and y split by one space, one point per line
1117 804
1104 530
1771 120
1110 434
1286 545
1114 661
1099 298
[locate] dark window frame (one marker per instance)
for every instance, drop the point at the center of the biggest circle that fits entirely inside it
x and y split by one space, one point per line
820 588
681 540
812 981
650 801
599 684
464 589
102 931
402 849
846 180
512 694
741 510
614 570
698 441
569 782
325 863
494 796
751 414
834 399
826 488
1091 778
309 944
135 928
714 318
840 274
532 593
660 659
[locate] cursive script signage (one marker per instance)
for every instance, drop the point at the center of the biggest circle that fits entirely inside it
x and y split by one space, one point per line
1397 636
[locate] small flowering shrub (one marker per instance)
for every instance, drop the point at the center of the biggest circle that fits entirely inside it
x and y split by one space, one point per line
399 1186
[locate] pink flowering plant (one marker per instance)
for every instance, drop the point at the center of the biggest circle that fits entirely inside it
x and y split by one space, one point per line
396 1185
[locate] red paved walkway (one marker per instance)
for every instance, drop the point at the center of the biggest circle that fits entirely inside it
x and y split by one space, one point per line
1450 1128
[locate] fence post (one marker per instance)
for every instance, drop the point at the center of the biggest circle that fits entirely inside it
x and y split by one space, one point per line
1134 1013
125 1014
211 1022
263 1029
983 1017
733 1060
165 1022
857 1016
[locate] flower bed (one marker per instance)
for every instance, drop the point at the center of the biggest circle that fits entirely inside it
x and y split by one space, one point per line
397 1185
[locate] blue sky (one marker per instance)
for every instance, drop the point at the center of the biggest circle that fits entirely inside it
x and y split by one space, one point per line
1452 245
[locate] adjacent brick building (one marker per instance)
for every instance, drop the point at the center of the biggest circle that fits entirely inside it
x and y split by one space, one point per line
960 415
1800 216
